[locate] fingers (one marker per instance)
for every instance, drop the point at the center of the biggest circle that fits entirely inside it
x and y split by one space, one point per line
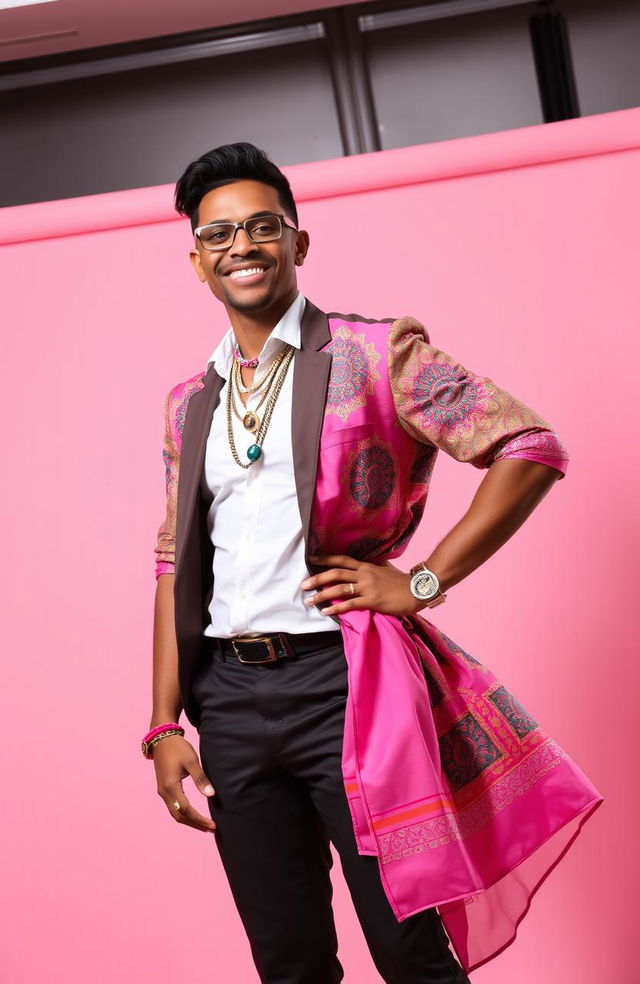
345 606
173 764
181 810
344 575
200 778
379 587
335 574
339 592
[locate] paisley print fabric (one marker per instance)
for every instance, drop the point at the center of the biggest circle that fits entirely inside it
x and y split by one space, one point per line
372 477
438 832
423 463
521 722
353 372
466 751
175 409
440 402
415 515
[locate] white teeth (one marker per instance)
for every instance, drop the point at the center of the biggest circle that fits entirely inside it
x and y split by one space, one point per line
246 273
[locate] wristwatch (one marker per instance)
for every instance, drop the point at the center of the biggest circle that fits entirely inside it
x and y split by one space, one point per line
425 586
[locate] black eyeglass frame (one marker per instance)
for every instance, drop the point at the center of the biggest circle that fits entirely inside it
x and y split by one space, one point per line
243 225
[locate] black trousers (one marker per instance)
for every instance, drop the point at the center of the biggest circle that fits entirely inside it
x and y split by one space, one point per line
271 743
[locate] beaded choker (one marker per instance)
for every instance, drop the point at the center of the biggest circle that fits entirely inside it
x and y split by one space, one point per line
245 363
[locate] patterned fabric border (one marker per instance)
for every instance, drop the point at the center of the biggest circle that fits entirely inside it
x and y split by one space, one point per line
442 830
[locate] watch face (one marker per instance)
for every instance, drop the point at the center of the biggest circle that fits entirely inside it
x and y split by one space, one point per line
424 585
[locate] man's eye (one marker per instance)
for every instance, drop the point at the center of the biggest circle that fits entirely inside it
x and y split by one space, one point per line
264 229
218 234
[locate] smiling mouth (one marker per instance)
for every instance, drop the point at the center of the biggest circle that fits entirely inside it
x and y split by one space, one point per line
247 273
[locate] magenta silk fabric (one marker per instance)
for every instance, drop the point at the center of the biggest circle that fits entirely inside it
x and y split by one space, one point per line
464 799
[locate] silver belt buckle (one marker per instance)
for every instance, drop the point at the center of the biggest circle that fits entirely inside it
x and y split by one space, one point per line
271 658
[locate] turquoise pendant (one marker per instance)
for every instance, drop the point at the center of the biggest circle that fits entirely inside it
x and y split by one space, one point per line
254 452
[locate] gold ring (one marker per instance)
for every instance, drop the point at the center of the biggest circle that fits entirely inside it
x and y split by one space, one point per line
176 805
352 587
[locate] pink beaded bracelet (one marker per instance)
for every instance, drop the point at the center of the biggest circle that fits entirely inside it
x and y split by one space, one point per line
160 729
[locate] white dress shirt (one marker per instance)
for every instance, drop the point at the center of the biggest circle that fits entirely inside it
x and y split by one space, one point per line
254 519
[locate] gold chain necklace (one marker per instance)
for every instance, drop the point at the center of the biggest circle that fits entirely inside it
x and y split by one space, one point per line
255 450
265 376
250 418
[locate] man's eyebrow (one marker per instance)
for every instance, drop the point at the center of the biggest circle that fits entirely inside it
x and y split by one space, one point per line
254 215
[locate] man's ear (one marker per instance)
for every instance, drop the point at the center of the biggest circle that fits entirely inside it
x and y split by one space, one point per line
302 247
194 256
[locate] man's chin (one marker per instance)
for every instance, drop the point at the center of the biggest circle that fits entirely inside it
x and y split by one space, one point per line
250 301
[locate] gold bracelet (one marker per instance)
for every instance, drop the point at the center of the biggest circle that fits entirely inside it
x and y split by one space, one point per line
158 738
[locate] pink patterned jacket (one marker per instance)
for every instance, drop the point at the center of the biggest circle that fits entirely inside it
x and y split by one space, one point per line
437 401
464 799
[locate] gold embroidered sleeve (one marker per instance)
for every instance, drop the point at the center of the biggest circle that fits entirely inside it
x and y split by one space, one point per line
165 548
440 402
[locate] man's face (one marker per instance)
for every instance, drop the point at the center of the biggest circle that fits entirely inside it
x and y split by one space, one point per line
274 284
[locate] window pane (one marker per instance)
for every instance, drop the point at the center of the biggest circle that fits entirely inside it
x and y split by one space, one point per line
139 128
605 42
455 77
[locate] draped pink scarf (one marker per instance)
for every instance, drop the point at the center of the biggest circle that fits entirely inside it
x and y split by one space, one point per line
464 799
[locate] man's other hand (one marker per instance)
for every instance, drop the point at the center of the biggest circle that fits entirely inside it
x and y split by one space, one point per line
174 759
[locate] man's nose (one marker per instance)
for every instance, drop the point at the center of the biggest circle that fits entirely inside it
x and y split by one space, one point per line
241 244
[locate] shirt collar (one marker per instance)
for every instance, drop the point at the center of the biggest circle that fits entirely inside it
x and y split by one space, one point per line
286 331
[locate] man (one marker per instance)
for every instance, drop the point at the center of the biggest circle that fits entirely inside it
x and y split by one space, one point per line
328 710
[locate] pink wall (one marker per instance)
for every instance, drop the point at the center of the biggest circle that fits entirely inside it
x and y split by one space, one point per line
520 252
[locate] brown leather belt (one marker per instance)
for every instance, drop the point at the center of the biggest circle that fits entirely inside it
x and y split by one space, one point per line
275 646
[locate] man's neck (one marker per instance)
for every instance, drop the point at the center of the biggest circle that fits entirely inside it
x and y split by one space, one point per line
252 328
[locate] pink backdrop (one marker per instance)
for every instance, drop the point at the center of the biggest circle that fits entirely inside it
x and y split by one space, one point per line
519 250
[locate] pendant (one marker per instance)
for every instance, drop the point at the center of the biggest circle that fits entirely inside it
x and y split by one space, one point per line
254 452
251 421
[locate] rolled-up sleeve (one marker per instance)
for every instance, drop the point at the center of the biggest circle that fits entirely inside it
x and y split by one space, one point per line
165 548
441 402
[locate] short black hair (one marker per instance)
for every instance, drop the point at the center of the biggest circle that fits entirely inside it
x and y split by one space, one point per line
224 165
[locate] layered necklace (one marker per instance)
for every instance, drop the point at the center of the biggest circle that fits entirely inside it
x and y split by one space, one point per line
271 382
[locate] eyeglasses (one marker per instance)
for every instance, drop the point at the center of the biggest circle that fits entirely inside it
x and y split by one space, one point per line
259 229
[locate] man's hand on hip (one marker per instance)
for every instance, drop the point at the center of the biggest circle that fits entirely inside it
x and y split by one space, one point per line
382 588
